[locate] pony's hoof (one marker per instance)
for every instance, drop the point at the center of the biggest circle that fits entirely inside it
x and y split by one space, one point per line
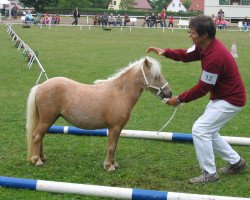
34 159
43 158
116 165
39 163
111 168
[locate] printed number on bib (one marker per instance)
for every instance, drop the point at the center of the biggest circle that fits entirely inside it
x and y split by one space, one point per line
208 77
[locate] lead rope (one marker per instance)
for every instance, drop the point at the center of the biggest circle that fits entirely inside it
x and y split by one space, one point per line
165 100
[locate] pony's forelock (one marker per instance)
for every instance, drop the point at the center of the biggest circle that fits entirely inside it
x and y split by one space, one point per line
155 69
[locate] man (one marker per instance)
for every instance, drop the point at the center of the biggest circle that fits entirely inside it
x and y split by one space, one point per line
76 15
220 76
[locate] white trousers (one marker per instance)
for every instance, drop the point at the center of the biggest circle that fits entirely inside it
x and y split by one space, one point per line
207 139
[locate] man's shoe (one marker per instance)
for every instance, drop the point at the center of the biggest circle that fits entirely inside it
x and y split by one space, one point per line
204 178
238 167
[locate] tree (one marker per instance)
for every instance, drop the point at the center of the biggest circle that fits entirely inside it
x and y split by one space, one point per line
39 5
100 3
71 4
159 4
127 4
186 4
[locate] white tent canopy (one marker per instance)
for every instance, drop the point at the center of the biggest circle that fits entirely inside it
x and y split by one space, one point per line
4 2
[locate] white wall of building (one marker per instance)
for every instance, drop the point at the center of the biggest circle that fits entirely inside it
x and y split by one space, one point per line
176 6
114 4
212 7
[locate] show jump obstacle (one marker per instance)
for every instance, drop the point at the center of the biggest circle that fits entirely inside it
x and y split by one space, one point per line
169 136
104 191
26 50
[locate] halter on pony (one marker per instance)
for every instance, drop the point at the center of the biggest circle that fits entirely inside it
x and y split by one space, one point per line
160 89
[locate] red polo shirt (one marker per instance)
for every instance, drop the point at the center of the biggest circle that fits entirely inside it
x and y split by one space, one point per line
220 75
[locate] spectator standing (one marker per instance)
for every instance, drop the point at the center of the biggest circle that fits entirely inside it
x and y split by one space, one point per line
171 21
220 14
163 17
221 78
146 20
158 20
14 11
105 19
152 20
245 24
76 16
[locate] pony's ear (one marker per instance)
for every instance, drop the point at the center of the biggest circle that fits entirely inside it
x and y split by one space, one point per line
146 63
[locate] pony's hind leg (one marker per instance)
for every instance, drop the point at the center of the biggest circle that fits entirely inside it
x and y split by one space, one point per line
42 156
37 155
110 164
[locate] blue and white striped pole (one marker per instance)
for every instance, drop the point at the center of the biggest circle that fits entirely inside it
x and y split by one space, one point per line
104 191
169 136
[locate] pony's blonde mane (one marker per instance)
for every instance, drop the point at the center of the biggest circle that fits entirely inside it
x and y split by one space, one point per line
155 69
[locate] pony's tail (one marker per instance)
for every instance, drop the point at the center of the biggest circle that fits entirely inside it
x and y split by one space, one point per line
32 119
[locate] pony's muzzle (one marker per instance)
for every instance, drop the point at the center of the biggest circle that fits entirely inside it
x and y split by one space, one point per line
167 94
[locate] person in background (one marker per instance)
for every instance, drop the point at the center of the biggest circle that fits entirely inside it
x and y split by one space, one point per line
57 19
146 20
97 19
105 19
220 14
46 18
171 21
158 20
126 19
221 78
223 24
111 19
152 20
76 16
118 20
29 18
163 18
14 11
245 24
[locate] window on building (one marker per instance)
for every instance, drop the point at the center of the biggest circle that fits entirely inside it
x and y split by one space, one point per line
115 3
179 4
235 2
224 2
173 5
245 2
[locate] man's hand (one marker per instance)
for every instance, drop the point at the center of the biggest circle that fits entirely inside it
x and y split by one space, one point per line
173 101
156 50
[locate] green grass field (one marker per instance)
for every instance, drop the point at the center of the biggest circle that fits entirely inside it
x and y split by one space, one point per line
86 55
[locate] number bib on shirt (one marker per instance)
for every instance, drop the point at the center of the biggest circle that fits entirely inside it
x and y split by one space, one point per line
208 77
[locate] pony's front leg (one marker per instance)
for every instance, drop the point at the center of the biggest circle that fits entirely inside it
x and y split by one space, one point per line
110 164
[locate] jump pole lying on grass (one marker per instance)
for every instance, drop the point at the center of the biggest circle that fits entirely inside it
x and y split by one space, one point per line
104 191
169 136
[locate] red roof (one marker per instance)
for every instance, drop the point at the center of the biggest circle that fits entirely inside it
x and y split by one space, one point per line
197 5
142 4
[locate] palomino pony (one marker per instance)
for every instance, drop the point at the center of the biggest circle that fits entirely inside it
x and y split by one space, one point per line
105 104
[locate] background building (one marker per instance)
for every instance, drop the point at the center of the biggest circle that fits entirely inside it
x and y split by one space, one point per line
139 4
176 6
231 8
